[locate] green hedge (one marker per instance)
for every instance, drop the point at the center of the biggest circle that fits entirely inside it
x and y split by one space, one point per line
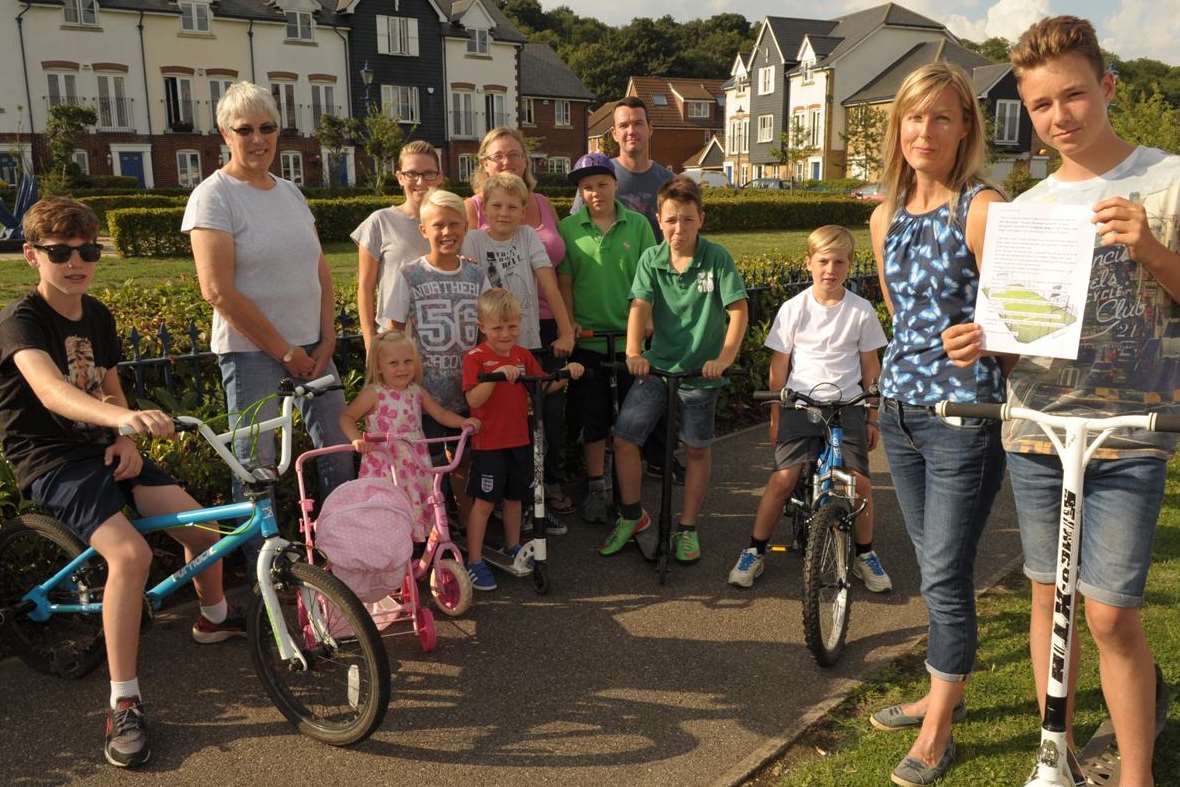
102 204
148 232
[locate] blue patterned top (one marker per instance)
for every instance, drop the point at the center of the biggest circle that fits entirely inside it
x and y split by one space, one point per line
932 279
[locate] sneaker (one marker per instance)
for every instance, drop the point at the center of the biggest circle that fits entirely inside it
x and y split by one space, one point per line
867 568
557 501
127 736
748 568
594 508
206 632
686 545
657 471
481 575
625 530
554 526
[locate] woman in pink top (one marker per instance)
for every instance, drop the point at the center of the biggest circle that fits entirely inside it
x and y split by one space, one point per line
503 150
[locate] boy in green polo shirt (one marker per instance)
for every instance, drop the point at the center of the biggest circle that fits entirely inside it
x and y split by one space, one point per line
689 289
603 242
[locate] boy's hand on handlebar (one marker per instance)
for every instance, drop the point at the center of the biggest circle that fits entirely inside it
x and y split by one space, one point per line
963 343
153 422
714 368
575 369
472 423
125 454
638 366
510 371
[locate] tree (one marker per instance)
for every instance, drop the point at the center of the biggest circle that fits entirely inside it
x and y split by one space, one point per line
794 147
67 122
335 134
994 49
863 134
1147 120
382 138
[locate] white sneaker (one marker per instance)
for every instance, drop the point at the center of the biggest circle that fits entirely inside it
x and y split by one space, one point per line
867 568
748 568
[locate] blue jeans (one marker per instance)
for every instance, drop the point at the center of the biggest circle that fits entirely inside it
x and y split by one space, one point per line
251 376
946 476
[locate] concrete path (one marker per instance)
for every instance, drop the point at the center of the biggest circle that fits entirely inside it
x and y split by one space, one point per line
610 679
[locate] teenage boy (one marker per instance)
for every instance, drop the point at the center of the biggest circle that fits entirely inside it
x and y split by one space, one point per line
603 243
1124 366
502 455
825 342
61 406
689 289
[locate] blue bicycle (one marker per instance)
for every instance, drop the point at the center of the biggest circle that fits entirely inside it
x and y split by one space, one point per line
823 508
313 644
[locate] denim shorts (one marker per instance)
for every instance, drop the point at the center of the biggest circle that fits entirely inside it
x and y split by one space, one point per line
1121 501
83 495
645 404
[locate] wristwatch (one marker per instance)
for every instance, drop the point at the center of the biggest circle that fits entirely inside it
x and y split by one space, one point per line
289 355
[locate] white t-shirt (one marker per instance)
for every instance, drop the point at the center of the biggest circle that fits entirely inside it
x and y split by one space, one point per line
276 255
394 240
825 343
512 264
1129 357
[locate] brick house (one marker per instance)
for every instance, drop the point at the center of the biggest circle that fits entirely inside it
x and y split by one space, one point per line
555 106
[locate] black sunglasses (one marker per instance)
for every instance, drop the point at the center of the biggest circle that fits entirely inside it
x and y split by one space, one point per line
59 253
266 129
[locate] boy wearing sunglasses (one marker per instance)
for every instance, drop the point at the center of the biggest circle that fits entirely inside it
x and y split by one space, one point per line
61 407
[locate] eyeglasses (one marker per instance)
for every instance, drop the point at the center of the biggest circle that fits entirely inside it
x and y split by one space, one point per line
500 158
425 177
60 253
266 129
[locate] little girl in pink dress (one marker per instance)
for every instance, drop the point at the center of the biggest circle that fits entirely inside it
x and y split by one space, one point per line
391 403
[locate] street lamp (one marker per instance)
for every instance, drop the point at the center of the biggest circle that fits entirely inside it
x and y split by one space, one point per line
367 80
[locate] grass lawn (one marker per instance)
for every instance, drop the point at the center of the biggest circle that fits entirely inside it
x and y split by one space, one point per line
997 741
16 277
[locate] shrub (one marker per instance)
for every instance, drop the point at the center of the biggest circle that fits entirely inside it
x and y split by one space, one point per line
108 182
148 232
103 204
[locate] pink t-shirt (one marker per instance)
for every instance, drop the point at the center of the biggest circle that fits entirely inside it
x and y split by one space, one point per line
546 230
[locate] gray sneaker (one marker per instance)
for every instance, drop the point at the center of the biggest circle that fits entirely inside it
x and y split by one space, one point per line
594 508
911 772
891 719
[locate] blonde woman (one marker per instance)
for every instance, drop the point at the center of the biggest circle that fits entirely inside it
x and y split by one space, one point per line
927 237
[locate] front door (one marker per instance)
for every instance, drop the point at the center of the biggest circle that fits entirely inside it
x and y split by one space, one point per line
131 165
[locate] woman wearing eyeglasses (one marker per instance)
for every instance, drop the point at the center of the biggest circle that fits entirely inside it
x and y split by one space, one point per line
389 238
260 266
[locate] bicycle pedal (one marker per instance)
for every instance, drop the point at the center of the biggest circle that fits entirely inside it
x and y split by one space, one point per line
778 548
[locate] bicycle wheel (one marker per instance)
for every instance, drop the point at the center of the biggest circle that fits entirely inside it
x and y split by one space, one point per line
342 696
33 548
450 587
826 599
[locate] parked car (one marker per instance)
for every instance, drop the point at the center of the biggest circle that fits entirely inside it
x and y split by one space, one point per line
768 183
870 192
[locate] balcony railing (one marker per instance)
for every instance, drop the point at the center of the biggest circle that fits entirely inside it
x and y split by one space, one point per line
319 110
111 113
179 115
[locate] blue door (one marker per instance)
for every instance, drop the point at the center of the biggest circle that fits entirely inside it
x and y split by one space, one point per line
131 165
815 170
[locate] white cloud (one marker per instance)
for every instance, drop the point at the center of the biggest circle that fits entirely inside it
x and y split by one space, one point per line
1143 28
1006 19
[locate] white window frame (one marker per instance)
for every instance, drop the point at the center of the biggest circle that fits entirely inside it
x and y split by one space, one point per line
696 109
65 84
765 80
732 145
84 12
817 121
116 113
198 11
323 101
186 107
291 166
401 103
765 128
217 88
808 75
477 41
304 26
223 156
528 113
397 35
285 101
185 177
744 135
499 114
466 166
82 159
562 114
462 97
558 165
1007 120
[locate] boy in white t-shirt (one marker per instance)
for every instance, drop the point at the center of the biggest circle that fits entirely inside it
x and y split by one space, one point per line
825 343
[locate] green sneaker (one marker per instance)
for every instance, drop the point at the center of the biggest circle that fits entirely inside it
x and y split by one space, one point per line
625 530
687 546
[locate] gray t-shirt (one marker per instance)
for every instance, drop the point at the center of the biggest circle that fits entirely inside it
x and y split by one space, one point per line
512 264
443 308
393 238
276 255
637 191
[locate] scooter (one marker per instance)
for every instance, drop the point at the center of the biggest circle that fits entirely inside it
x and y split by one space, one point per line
612 369
1075 448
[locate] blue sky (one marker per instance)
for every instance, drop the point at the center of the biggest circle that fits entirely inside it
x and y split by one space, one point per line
1130 28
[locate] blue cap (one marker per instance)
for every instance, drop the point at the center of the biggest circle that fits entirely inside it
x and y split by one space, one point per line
592 164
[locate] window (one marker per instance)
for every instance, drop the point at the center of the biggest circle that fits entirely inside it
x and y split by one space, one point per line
732 141
194 16
808 77
323 102
766 128
561 113
284 93
528 113
178 103
188 168
559 165
397 35
62 89
466 166
400 103
816 127
81 12
477 41
223 156
1007 121
744 136
299 26
462 117
659 99
497 110
696 109
82 159
765 80
291 162
113 108
217 88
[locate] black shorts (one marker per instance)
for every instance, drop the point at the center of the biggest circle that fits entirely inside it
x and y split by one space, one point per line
84 494
589 397
431 430
801 440
501 474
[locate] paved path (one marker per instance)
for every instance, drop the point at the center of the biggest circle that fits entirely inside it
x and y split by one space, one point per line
610 679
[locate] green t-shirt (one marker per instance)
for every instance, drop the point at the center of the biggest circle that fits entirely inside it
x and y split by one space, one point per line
602 266
688 309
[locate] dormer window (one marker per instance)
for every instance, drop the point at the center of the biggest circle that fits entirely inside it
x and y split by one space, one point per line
194 16
477 41
81 12
696 109
299 26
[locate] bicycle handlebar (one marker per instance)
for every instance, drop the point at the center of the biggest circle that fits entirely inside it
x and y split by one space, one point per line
1164 423
955 409
498 377
601 334
1155 422
787 397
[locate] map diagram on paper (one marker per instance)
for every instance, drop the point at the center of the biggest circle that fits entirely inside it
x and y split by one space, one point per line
1035 277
